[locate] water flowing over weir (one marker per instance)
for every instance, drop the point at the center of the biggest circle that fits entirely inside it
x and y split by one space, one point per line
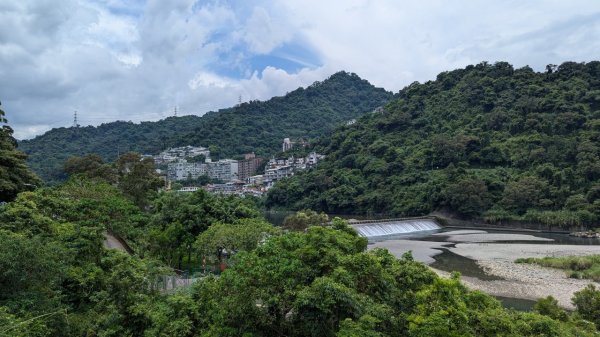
390 227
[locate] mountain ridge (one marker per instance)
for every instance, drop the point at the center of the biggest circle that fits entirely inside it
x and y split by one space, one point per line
304 112
485 141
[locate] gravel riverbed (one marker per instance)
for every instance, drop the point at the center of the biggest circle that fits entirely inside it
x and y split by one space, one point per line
523 280
497 258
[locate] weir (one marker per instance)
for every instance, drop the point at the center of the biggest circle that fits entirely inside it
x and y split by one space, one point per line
390 227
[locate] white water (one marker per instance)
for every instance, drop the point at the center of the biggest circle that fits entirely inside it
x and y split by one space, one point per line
395 227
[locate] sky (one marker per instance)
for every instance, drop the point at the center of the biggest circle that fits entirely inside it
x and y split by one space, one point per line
136 60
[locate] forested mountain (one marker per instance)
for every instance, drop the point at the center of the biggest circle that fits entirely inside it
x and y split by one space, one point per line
485 141
62 276
254 126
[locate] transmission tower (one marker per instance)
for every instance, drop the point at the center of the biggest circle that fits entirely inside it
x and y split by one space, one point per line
175 111
75 124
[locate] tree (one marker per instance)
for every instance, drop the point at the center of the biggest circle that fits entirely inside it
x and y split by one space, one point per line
15 176
137 178
28 264
180 217
549 307
468 196
244 235
587 304
91 166
523 194
303 219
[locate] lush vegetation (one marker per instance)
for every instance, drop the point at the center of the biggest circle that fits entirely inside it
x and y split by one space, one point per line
15 176
58 279
486 141
303 219
587 302
587 267
252 126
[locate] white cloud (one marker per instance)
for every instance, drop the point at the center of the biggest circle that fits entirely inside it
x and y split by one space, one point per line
273 81
136 60
204 79
262 34
393 43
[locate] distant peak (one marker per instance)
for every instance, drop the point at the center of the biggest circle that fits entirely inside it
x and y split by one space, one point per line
344 74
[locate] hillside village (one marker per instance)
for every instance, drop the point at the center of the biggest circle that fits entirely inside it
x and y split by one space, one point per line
187 168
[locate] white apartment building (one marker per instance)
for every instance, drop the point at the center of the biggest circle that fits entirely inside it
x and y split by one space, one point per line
287 144
223 170
177 153
182 170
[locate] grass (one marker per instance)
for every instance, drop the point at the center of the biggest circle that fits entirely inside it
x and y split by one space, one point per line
579 267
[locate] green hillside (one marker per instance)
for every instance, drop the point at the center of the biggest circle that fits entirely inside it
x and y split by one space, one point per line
254 126
485 141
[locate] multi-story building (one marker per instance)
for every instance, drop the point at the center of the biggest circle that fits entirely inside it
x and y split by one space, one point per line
248 166
226 188
276 169
188 189
274 174
182 170
255 180
223 170
287 144
313 158
178 153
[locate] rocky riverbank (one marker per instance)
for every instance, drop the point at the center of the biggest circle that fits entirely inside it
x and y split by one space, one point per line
523 280
495 258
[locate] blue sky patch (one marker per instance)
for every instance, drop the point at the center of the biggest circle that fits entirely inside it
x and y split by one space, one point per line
238 62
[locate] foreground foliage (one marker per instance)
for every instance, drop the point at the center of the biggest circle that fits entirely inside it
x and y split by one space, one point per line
58 279
324 283
487 141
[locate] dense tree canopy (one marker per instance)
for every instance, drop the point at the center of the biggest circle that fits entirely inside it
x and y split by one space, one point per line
133 175
485 141
250 127
178 219
451 143
15 176
324 283
303 219
58 279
